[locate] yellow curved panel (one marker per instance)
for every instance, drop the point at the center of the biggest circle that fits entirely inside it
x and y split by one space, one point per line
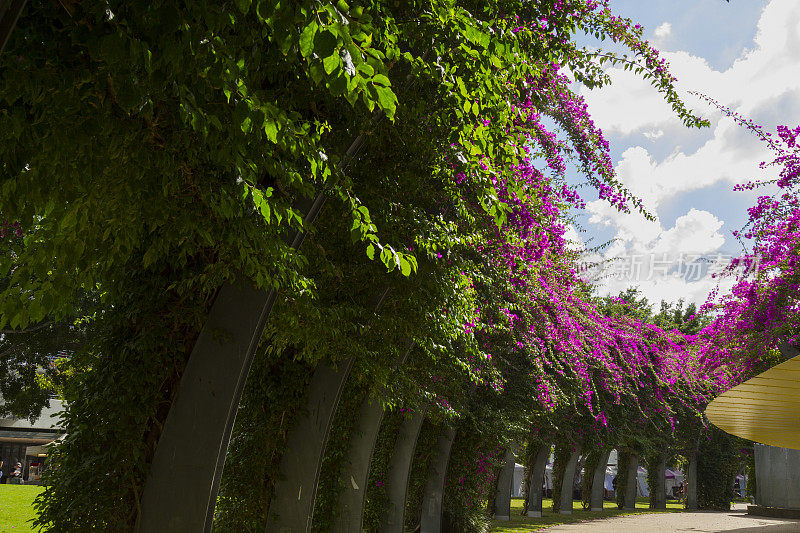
763 409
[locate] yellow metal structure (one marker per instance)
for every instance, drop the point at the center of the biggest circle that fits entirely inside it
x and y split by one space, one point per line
764 409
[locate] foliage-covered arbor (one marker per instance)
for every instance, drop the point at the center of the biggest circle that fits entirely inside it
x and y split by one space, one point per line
153 152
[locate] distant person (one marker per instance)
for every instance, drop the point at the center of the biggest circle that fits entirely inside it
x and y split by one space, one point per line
16 475
614 485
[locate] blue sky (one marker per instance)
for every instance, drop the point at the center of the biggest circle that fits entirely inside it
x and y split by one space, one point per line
745 54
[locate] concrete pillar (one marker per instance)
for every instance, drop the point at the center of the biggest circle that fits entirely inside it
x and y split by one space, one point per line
760 461
691 483
537 477
660 499
431 519
502 499
292 506
632 476
568 482
359 455
356 468
777 477
598 481
181 487
399 470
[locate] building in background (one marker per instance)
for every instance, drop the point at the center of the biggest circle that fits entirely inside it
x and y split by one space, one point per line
26 442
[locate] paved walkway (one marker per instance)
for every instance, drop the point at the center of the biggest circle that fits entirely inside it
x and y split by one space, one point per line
736 521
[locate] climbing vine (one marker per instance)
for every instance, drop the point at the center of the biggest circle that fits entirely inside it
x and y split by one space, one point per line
589 466
719 459
652 462
623 460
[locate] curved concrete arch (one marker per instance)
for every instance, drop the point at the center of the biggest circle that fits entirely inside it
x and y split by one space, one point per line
568 482
431 519
356 469
537 478
691 482
292 506
632 475
180 492
359 456
9 13
393 520
660 496
181 488
502 498
598 481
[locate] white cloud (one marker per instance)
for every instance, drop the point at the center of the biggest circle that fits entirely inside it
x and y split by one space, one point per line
647 255
663 31
574 240
670 289
755 82
695 232
653 134
763 73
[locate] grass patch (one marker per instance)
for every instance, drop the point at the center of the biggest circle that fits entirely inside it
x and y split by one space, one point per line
16 507
16 512
523 524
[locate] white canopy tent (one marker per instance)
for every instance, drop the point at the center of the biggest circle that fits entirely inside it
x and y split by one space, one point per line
517 486
673 479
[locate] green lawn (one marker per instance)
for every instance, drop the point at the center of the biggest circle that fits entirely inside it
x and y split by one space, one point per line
520 524
16 510
16 507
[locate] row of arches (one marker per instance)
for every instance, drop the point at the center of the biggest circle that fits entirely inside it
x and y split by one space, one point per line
292 506
183 484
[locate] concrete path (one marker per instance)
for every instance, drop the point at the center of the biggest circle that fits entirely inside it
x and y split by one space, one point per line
736 521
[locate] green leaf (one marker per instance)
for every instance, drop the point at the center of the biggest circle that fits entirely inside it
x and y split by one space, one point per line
381 79
405 267
371 251
265 210
387 100
462 88
338 85
127 95
69 220
265 9
387 258
316 71
307 39
325 43
365 69
240 112
332 62
412 261
271 130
